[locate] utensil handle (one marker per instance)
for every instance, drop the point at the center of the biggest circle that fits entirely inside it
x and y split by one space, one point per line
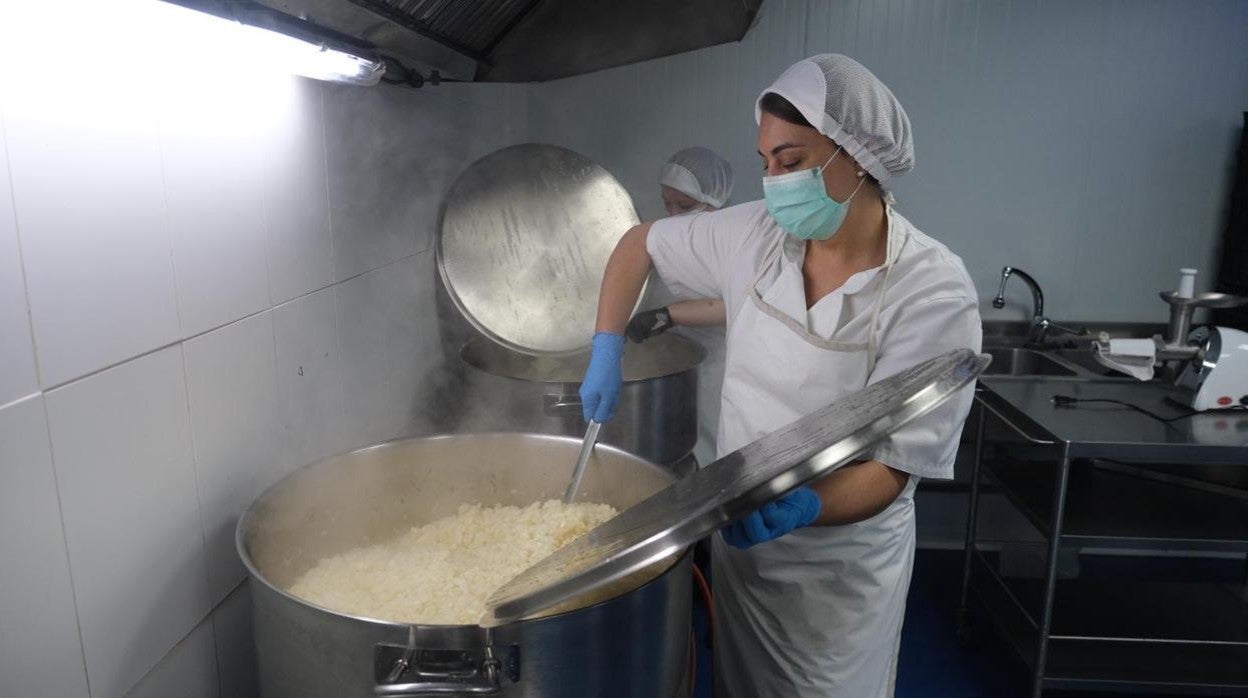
557 403
587 447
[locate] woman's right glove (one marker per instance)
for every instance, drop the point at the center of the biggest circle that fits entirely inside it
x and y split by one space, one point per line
648 323
600 391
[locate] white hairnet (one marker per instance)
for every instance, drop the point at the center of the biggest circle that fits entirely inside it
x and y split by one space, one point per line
700 174
847 103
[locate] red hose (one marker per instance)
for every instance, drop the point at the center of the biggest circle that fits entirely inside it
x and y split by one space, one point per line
693 663
707 597
710 613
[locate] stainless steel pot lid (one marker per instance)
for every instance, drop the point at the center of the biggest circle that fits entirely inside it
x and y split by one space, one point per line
525 237
733 486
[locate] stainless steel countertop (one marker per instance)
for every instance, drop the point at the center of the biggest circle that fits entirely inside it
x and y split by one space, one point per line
1111 431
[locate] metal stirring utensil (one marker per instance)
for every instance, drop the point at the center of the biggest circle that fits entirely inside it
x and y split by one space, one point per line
587 447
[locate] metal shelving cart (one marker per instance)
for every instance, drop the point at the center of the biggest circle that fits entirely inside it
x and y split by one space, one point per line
1077 475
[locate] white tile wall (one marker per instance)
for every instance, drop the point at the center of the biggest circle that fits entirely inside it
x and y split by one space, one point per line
169 249
90 212
368 402
231 380
375 201
40 654
17 354
122 446
448 128
309 388
497 113
209 147
236 652
188 671
293 179
387 349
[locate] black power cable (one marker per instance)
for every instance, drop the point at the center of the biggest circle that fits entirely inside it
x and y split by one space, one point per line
1071 401
399 74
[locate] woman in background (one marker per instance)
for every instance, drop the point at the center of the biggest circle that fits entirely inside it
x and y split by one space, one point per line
694 180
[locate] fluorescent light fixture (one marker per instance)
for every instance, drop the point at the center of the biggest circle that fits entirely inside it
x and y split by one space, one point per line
313 60
266 37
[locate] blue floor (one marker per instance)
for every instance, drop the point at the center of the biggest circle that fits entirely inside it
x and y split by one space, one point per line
933 663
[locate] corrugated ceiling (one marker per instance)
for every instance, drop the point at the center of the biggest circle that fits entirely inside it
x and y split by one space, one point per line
521 40
473 27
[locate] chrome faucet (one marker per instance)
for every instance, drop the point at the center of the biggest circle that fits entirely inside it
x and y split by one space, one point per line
1037 296
1040 325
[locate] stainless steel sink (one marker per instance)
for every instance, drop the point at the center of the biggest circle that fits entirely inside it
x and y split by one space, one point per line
1083 359
1014 361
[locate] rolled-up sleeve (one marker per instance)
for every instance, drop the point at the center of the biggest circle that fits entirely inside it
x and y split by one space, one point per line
927 446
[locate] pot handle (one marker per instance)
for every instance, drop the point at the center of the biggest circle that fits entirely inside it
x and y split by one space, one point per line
407 672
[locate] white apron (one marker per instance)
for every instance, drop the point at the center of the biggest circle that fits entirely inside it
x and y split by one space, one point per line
710 383
817 612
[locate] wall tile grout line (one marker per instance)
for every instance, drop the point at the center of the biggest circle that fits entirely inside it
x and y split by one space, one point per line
161 147
197 335
21 257
206 618
216 648
186 388
341 390
199 499
329 214
265 223
277 397
333 271
20 400
69 564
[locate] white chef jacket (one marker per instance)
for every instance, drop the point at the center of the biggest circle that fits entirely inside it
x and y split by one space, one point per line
818 613
930 307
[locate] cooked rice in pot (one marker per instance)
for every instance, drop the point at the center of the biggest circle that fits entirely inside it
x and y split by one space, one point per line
441 573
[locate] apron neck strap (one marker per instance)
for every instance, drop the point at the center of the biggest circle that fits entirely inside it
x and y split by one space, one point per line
873 328
891 252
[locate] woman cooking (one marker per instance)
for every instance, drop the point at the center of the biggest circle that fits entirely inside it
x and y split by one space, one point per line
827 289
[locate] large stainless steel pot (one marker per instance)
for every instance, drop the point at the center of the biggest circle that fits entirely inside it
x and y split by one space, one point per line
635 644
525 236
657 416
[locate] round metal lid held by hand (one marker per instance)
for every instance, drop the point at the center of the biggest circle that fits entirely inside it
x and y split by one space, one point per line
525 237
732 487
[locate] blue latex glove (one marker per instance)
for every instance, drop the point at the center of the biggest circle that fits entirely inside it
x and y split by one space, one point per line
600 391
792 511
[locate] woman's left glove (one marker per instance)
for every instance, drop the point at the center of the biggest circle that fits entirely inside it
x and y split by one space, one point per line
600 390
648 323
797 509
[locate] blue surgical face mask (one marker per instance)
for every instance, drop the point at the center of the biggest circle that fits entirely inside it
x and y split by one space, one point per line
800 203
